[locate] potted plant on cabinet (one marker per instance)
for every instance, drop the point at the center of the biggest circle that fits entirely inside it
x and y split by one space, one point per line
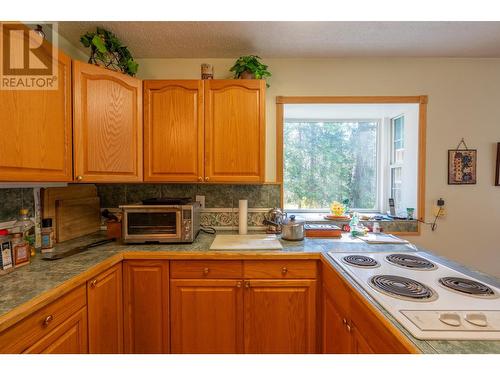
250 67
108 51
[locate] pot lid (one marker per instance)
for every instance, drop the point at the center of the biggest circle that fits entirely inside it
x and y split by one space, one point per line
293 220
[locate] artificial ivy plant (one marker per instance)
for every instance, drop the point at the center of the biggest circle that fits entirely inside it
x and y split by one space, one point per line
250 66
107 50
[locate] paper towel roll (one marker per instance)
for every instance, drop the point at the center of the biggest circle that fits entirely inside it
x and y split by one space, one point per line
243 213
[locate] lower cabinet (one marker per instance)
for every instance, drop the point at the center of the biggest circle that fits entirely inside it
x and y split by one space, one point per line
227 307
207 316
350 326
105 312
146 306
280 316
68 338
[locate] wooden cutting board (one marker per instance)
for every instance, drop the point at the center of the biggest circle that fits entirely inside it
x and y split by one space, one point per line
49 196
77 217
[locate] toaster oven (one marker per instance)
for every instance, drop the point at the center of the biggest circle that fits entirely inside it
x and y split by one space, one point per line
144 223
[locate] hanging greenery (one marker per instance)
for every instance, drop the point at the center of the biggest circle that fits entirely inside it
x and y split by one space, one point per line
108 51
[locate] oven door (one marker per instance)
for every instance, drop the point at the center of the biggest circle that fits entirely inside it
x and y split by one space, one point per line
152 224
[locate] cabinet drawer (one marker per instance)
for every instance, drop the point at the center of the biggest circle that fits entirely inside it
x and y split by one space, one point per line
210 269
280 269
31 329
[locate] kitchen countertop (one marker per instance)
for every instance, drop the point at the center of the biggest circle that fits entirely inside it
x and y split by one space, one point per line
43 281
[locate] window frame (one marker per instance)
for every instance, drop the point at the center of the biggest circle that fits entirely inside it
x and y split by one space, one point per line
379 124
393 163
421 100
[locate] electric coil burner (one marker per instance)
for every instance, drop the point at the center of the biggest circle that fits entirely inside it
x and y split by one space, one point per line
467 286
360 261
410 261
402 287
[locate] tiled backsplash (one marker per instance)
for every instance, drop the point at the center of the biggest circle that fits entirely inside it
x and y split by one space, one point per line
12 200
216 196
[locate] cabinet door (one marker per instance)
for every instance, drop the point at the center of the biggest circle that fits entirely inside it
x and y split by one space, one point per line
173 131
337 338
360 345
104 299
145 293
35 128
107 125
280 316
207 316
68 338
234 130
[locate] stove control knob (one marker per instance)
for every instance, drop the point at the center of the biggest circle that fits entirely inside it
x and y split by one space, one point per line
478 319
452 319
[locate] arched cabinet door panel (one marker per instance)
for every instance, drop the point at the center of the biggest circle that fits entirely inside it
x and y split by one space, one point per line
107 125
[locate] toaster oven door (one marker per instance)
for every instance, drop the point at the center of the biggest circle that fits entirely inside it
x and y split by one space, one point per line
153 225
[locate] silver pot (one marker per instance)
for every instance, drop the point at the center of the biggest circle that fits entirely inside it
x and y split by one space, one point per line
292 229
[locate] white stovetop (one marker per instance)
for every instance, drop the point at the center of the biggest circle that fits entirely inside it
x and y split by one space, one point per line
447 300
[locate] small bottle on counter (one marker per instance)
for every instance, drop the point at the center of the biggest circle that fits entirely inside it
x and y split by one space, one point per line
26 227
47 236
20 250
5 250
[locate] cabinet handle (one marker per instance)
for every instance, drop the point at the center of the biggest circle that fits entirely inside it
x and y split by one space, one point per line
47 320
79 178
93 283
200 179
206 270
284 271
247 284
238 284
207 178
348 328
344 320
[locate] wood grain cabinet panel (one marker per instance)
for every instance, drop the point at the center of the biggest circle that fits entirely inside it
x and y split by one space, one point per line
105 312
68 338
107 125
234 130
173 131
146 306
36 130
336 338
207 316
280 316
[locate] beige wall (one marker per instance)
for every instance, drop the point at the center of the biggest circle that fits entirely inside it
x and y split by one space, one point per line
464 101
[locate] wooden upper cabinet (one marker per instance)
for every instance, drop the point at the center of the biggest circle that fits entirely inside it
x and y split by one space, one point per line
105 312
234 130
35 128
107 125
173 131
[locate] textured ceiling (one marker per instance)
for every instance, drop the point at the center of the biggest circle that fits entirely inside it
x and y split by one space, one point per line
299 39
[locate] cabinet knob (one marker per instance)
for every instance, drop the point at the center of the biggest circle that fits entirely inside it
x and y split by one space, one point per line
238 284
207 178
93 283
344 321
47 320
284 271
79 178
348 328
200 179
247 284
206 270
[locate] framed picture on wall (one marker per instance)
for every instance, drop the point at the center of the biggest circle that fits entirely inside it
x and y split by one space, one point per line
497 173
462 167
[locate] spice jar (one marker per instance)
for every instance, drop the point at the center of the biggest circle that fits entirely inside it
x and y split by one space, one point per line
5 250
47 235
20 250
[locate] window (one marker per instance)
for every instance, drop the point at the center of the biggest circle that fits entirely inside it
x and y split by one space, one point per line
365 153
328 161
397 160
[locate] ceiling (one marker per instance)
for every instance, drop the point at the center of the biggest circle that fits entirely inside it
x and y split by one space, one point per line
299 39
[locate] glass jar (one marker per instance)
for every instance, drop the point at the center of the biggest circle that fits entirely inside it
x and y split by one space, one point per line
26 227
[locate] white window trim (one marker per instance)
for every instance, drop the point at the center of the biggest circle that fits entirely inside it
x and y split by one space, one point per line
379 179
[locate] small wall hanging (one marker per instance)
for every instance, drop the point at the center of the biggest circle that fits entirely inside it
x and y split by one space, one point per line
462 165
497 174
